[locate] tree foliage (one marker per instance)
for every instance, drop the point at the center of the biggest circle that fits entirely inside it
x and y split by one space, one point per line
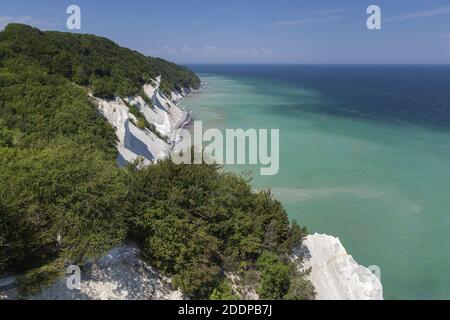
223 291
93 61
197 222
64 200
275 278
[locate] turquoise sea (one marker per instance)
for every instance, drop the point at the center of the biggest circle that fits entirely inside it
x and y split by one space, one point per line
364 156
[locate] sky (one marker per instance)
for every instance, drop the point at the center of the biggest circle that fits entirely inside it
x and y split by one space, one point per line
256 31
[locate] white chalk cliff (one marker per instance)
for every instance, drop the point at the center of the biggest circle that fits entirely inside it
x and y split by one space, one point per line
122 275
166 116
334 273
119 275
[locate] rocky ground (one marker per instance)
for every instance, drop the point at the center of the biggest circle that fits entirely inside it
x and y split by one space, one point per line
122 275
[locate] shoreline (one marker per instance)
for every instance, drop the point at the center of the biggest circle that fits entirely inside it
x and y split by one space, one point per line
335 274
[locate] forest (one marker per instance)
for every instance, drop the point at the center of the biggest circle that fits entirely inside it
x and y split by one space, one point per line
63 200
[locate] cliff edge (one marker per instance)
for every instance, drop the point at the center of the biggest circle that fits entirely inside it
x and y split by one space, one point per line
334 273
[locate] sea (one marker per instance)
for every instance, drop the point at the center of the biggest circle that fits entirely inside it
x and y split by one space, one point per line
364 156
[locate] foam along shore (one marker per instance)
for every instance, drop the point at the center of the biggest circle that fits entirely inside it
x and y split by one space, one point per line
164 114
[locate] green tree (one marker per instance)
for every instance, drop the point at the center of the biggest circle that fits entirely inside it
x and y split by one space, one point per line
223 291
92 61
300 287
275 278
104 88
6 136
65 201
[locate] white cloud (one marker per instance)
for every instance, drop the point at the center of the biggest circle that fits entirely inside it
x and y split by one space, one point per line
244 52
310 17
328 12
444 39
210 51
5 20
266 51
443 11
169 50
304 21
210 48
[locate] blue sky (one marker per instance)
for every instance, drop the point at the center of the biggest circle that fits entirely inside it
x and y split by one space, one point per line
252 31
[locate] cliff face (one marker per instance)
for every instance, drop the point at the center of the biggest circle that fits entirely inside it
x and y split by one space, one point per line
122 275
335 274
46 65
164 114
119 275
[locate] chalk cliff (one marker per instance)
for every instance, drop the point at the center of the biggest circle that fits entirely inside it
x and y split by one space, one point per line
334 273
121 275
118 275
164 114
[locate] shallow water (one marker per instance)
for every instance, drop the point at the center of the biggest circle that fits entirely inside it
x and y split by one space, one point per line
352 165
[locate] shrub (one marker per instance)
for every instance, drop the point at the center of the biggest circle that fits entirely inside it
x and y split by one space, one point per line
63 199
195 222
146 98
275 277
223 291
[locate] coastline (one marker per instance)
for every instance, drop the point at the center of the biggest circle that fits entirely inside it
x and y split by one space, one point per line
164 115
334 272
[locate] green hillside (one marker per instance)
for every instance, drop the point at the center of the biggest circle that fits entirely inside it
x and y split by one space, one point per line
64 201
92 61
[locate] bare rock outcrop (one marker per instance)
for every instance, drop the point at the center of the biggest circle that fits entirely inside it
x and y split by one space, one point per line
119 275
334 273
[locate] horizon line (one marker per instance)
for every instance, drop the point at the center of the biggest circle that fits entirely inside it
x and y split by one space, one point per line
311 64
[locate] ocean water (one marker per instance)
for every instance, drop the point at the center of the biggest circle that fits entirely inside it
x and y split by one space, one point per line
364 156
